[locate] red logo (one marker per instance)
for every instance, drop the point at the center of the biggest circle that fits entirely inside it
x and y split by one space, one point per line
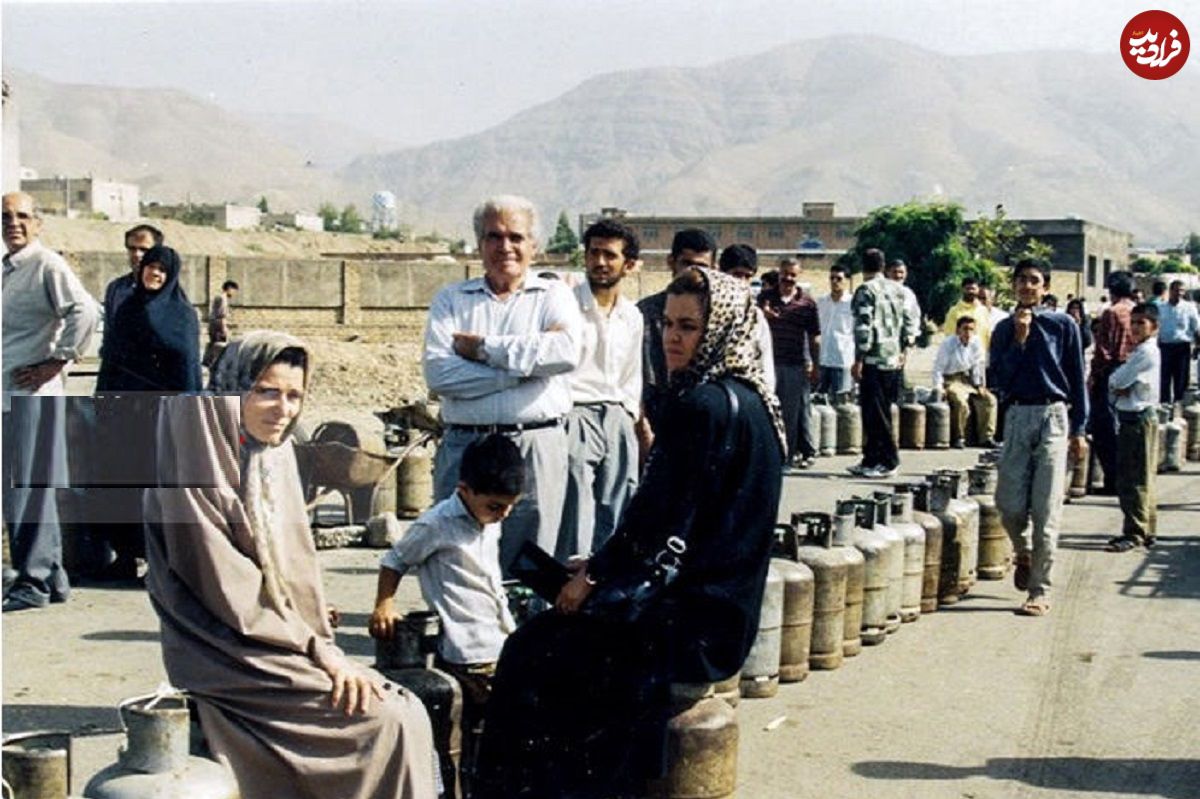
1155 45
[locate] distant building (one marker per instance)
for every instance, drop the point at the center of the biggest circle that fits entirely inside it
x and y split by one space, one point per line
86 196
296 221
226 216
1088 250
10 167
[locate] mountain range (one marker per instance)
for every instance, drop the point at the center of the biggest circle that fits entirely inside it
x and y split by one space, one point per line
860 121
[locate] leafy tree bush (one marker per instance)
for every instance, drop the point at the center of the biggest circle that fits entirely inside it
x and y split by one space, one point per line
564 239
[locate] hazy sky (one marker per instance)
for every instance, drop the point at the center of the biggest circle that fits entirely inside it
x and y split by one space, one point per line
413 72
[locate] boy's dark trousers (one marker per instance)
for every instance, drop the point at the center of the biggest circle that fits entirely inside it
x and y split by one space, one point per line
1137 462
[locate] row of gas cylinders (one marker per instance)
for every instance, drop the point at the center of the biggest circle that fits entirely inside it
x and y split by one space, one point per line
920 421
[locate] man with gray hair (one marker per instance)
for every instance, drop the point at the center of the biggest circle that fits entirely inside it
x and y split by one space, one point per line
497 352
48 321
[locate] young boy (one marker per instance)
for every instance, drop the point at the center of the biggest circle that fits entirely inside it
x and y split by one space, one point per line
1135 385
455 549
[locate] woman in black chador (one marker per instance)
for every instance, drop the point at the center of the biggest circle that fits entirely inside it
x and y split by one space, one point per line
580 699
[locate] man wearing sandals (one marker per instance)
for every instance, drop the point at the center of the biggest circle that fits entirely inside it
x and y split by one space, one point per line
1037 367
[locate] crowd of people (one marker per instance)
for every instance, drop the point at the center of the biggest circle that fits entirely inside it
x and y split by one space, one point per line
641 445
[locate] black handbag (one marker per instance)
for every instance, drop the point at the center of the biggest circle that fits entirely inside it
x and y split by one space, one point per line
626 597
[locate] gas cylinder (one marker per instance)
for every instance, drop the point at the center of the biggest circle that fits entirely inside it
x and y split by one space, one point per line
849 426
414 483
1191 418
958 503
797 619
883 515
1170 440
407 660
937 501
912 423
727 689
154 763
702 744
37 765
760 671
995 549
876 550
937 422
1078 467
901 521
829 580
828 440
933 545
843 531
895 416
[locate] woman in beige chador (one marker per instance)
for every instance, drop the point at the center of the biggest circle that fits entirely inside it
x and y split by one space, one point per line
235 581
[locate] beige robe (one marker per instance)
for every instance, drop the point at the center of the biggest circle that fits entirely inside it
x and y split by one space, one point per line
250 650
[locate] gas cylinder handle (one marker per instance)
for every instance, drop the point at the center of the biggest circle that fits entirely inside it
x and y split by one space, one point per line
164 691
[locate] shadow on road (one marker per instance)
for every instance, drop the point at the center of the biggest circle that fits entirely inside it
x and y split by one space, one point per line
1173 654
78 720
1169 571
1174 779
122 635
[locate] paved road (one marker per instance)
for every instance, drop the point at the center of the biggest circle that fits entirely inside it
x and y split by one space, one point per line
1098 699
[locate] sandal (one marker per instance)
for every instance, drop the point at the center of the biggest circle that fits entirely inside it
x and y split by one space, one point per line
1150 541
1034 607
1122 544
1021 572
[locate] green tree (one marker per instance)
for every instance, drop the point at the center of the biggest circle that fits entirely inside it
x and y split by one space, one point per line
350 221
262 204
1144 265
330 218
1191 245
564 240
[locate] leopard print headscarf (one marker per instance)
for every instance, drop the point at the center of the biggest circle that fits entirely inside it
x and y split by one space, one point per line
729 345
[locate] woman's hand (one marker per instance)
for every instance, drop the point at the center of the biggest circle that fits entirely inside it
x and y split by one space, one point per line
352 689
576 590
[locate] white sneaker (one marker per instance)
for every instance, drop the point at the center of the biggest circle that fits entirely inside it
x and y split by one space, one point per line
879 472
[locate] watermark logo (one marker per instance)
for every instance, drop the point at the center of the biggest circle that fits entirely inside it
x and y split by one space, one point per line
1155 45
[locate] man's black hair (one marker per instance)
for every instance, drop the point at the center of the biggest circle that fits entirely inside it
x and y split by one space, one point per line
1159 287
154 232
1034 265
841 270
693 239
873 260
493 465
1120 284
612 229
970 280
965 319
896 262
230 284
738 256
1146 309
1050 300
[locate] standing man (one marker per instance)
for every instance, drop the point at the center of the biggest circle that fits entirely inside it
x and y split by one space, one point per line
1037 366
837 335
960 369
1179 328
138 239
1112 343
741 261
606 392
971 306
898 273
879 324
988 297
497 351
796 342
48 321
689 247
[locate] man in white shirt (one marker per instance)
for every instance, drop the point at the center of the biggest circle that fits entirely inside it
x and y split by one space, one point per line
49 318
898 272
497 352
988 297
837 335
960 370
606 391
1178 330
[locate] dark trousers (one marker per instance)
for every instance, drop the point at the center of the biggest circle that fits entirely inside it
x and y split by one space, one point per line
1137 455
1176 363
878 391
792 388
1102 426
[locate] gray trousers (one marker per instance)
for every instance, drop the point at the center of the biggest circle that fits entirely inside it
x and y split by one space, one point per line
602 476
35 464
792 388
1031 479
539 513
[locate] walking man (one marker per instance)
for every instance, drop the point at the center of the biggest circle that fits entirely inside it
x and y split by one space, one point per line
497 351
606 393
1037 366
48 321
796 343
1179 328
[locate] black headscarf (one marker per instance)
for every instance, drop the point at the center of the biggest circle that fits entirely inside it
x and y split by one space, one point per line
155 341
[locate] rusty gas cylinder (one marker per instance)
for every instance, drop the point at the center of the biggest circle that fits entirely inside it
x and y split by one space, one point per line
912 423
876 550
883 523
933 545
914 553
1191 420
37 765
702 744
856 574
967 509
995 549
849 425
829 580
1077 486
828 426
796 636
937 503
414 483
760 671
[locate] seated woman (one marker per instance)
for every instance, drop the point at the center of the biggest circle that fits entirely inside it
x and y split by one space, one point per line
235 582
153 343
580 701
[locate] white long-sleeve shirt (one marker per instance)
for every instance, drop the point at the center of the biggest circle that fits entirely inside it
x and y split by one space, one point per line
531 340
955 358
1140 373
837 331
458 565
610 361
